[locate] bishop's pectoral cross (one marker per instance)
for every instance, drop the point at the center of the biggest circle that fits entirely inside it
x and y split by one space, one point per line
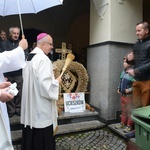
63 51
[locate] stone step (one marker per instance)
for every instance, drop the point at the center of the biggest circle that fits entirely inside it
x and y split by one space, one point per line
15 123
68 118
66 129
67 123
79 127
16 129
130 142
16 137
119 131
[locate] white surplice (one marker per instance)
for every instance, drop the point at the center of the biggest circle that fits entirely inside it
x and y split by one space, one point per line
40 92
9 61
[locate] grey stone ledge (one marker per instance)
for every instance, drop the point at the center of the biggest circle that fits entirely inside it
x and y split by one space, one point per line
86 113
78 127
120 131
16 135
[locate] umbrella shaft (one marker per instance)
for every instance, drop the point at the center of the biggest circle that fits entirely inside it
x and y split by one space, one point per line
20 17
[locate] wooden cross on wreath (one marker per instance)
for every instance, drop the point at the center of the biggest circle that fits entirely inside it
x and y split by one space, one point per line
63 51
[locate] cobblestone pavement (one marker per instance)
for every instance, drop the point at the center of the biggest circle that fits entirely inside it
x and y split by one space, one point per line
102 139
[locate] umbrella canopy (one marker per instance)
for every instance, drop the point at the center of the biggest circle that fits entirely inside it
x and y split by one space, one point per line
13 7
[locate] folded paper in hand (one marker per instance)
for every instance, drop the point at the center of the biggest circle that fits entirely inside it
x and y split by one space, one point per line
12 89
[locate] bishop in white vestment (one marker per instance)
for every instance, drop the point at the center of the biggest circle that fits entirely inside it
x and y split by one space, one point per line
39 95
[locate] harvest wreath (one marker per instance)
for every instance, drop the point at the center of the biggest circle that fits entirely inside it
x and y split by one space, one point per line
74 79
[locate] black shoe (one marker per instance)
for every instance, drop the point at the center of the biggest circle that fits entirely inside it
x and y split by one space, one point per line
130 134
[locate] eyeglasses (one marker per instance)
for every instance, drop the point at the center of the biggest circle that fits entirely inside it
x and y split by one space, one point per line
51 44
